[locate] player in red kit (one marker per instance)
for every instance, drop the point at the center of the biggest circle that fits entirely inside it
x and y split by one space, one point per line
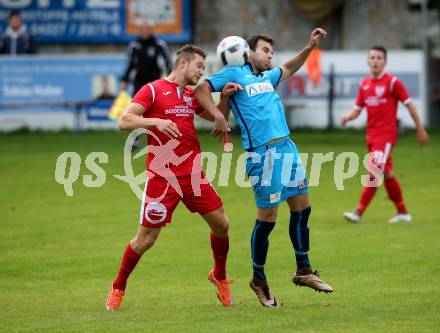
166 108
380 94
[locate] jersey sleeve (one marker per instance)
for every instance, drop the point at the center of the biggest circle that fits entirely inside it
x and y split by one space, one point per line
275 75
220 79
399 91
145 96
359 104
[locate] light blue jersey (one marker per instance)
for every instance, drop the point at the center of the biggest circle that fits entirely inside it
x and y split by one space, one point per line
257 109
276 169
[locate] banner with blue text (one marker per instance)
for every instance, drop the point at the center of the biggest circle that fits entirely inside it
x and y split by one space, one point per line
100 20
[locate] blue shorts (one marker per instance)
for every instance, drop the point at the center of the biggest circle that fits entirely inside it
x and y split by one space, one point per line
276 173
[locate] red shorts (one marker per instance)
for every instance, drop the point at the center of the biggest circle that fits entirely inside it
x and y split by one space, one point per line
380 154
161 197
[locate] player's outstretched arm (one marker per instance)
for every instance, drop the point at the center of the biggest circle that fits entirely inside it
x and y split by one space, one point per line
133 119
292 65
203 95
350 116
422 135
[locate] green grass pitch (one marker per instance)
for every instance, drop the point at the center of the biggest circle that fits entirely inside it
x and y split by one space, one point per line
59 254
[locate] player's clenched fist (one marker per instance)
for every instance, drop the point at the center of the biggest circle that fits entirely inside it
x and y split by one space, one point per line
220 127
343 120
316 35
422 137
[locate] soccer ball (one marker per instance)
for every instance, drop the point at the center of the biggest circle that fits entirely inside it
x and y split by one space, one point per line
233 51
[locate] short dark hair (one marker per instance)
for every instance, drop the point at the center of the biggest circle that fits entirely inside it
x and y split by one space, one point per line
14 13
253 40
187 52
379 48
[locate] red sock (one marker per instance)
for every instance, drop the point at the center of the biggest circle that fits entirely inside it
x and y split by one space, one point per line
220 248
366 197
395 194
129 261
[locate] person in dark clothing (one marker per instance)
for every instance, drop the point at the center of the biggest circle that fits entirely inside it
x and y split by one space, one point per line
146 57
16 40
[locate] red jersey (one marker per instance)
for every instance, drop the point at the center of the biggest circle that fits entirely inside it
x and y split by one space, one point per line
380 97
163 99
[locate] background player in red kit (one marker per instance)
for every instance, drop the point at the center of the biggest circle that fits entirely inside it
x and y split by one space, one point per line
380 94
166 108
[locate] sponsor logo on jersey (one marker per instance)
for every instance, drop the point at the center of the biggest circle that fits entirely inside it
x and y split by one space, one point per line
258 88
155 212
180 111
374 101
166 93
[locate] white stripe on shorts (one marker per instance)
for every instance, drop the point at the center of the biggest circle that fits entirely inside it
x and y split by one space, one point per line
386 154
143 202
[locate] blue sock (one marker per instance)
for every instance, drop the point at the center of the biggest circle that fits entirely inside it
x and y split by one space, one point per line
299 236
259 247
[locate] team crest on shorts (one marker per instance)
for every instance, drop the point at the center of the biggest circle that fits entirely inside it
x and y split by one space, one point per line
302 185
155 212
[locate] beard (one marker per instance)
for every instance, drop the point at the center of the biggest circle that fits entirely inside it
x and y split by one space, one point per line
261 67
191 80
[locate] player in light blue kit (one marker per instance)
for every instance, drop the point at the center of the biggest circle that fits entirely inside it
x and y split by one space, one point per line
273 166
